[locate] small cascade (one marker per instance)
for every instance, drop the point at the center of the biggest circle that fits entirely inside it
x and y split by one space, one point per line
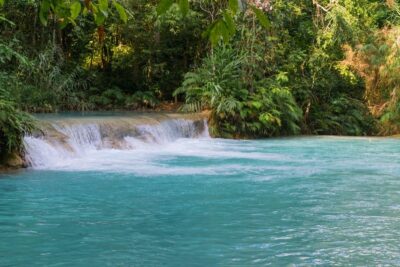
168 131
64 140
82 136
42 153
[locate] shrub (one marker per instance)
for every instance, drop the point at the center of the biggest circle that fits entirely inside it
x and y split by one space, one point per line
140 99
217 85
14 125
343 116
377 62
109 99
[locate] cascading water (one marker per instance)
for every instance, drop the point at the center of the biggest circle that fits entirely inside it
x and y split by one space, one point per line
67 141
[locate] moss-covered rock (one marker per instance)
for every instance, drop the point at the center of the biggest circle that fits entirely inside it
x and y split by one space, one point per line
12 161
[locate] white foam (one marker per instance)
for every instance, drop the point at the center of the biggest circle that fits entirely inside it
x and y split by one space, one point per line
85 146
41 154
81 137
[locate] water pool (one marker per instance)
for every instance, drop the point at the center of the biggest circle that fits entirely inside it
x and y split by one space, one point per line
209 202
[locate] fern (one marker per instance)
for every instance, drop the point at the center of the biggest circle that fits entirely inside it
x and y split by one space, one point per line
14 125
217 85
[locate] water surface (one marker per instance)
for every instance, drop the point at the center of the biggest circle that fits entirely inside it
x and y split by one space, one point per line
208 202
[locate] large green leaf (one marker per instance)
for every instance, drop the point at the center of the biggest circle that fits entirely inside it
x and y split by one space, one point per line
75 9
103 5
218 31
213 34
262 18
164 6
44 11
99 18
121 11
230 23
224 29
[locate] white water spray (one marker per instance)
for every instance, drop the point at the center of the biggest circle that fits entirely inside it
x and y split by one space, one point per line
67 141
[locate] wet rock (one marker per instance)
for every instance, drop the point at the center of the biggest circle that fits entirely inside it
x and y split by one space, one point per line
13 161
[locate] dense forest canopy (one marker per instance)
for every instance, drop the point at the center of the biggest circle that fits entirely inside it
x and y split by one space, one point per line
260 67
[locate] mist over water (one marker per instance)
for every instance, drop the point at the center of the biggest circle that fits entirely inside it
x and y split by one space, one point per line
118 192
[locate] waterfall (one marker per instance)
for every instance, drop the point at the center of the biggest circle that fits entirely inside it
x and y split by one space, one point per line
71 139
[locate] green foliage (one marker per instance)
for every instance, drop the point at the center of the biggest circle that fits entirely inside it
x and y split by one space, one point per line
343 116
121 11
62 65
217 85
14 125
263 68
68 11
261 17
377 61
299 58
280 110
164 5
109 99
7 54
48 85
224 27
142 100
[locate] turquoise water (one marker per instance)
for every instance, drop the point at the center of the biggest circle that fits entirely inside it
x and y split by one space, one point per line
202 202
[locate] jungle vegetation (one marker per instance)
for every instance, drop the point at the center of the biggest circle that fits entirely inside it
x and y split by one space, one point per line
261 67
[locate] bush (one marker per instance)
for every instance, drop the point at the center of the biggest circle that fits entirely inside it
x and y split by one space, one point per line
108 99
343 116
47 83
14 125
377 63
140 99
217 85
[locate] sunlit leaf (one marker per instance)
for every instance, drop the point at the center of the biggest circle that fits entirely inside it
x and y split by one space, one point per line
75 9
121 11
103 5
